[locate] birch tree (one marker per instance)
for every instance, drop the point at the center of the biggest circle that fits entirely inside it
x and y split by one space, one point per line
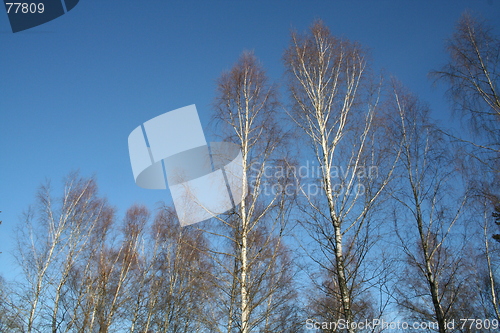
51 240
252 270
473 76
428 223
172 278
10 315
335 107
487 259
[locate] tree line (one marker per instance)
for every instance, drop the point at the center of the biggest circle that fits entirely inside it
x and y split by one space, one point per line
414 240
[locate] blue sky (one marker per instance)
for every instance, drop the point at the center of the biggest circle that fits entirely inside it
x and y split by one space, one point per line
73 89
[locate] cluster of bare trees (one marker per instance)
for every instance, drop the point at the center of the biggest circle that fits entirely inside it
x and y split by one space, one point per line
85 272
394 217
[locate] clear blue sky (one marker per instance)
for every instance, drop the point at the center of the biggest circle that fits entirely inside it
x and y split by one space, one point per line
73 89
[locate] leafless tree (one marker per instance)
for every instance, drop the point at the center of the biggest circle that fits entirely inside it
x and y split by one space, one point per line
10 315
335 104
473 76
487 259
172 278
86 273
51 240
253 272
428 222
